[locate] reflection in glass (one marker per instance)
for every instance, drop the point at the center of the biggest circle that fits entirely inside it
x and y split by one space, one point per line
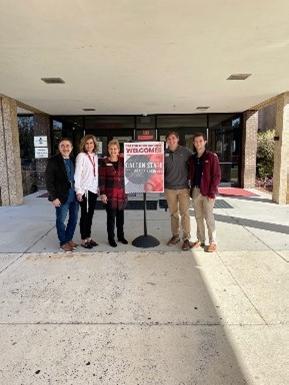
26 141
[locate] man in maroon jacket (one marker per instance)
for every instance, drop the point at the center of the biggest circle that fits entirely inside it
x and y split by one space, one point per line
205 176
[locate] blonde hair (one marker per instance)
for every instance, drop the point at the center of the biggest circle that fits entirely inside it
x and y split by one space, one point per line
113 142
84 140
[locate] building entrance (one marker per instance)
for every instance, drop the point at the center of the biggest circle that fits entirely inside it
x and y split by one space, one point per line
223 132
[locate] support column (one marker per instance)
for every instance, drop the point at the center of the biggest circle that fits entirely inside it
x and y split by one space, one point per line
249 148
42 127
281 151
11 192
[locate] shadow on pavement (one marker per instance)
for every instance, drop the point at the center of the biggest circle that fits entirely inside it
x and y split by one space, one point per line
251 199
275 227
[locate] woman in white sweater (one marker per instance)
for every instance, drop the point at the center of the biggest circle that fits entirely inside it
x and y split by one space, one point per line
86 187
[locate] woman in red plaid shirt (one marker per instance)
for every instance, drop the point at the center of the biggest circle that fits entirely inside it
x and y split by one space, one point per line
112 193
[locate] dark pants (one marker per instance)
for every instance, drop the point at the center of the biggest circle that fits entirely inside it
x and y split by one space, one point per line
112 216
65 234
87 214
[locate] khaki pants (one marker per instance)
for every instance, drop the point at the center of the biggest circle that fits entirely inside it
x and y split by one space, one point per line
204 211
179 204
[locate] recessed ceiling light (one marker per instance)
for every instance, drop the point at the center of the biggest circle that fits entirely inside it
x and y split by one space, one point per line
202 108
53 80
88 109
238 76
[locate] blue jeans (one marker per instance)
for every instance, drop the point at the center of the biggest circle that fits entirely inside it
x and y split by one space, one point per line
65 234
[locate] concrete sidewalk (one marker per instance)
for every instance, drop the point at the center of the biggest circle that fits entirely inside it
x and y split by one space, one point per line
158 316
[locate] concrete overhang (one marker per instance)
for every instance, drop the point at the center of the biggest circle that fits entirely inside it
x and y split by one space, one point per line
134 57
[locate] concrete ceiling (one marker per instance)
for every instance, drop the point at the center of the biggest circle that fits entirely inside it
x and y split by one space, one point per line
143 56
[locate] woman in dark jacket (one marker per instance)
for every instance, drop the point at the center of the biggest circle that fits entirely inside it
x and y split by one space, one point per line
112 193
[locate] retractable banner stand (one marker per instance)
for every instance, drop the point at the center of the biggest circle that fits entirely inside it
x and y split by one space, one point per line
144 172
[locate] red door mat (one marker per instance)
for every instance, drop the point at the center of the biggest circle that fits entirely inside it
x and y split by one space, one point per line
236 192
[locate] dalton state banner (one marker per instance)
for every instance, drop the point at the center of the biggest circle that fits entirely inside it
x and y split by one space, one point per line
144 167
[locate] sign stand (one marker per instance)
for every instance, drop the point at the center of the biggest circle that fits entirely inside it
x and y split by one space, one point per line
145 240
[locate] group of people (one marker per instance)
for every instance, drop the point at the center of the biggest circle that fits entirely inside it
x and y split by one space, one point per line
71 184
195 176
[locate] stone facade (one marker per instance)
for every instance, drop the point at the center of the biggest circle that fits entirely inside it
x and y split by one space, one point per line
10 162
281 151
249 148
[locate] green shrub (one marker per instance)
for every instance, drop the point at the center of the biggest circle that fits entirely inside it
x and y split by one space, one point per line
265 154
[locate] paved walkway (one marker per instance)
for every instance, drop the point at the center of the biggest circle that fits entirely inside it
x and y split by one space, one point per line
158 316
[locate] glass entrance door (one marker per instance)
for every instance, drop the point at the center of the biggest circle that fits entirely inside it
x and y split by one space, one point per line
104 136
224 140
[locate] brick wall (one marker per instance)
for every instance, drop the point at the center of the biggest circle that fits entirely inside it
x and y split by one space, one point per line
249 148
281 151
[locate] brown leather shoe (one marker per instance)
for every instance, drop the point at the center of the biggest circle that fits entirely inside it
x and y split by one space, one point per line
73 244
66 247
198 244
211 248
173 241
187 245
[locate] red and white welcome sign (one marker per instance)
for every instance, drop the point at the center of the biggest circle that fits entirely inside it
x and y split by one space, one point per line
144 167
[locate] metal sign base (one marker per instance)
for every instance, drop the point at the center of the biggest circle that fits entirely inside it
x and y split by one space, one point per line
145 241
